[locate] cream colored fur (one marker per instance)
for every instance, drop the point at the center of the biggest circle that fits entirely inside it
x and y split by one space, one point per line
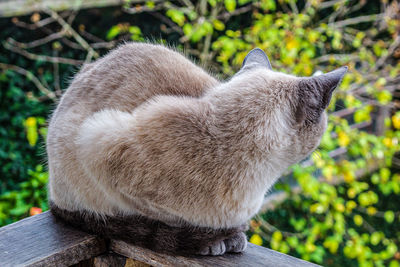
145 131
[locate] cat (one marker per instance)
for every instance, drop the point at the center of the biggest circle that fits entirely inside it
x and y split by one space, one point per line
147 147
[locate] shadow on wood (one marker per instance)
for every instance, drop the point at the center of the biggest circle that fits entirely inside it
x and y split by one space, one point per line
42 240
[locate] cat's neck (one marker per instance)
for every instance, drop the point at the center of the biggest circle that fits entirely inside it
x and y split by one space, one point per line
238 116
250 127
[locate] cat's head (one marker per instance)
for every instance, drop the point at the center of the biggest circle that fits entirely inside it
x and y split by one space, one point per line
293 107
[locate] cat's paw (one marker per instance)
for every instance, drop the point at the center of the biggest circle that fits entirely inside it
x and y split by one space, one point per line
236 243
217 248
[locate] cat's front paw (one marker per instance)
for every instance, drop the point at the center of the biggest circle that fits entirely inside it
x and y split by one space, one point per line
215 249
236 243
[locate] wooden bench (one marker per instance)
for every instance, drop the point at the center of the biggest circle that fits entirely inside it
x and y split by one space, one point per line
42 240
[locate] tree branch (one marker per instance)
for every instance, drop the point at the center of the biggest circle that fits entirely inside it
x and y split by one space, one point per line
226 15
29 75
45 40
392 48
74 34
13 47
356 20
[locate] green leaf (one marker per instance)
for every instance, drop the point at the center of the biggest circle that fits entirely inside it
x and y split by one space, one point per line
363 114
136 33
230 5
243 2
113 32
389 216
391 249
268 5
176 16
218 25
19 210
277 236
187 29
150 4
384 97
358 220
212 3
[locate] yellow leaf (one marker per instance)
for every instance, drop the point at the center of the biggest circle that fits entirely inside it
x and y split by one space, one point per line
328 172
371 210
358 220
396 120
351 192
348 176
334 247
277 236
344 139
31 130
316 156
256 240
350 205
388 142
308 70
218 25
310 247
340 207
317 208
291 44
30 122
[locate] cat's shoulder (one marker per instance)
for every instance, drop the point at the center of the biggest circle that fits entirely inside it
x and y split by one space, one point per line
146 48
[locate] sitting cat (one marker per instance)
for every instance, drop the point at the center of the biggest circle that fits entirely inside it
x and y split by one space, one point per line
147 147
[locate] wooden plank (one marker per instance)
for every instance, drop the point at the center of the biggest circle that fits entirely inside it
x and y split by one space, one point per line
42 240
253 256
10 8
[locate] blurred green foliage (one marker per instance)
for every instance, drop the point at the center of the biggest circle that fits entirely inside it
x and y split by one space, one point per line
340 206
16 204
16 155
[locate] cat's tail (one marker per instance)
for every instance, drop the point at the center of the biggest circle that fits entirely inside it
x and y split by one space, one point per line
153 234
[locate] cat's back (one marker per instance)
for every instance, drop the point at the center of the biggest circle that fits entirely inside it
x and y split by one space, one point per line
133 73
121 80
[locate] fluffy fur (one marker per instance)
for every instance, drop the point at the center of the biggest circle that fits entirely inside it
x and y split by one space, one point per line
145 133
185 239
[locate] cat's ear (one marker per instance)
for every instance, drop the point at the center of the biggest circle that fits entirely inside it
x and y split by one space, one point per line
256 57
315 93
327 83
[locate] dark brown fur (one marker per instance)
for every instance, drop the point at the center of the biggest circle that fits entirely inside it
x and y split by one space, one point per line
148 233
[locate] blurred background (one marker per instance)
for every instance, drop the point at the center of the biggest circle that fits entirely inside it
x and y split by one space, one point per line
340 207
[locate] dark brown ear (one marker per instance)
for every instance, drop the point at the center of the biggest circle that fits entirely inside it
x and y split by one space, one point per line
315 93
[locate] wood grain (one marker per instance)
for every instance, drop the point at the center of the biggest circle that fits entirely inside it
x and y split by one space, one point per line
42 240
253 256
